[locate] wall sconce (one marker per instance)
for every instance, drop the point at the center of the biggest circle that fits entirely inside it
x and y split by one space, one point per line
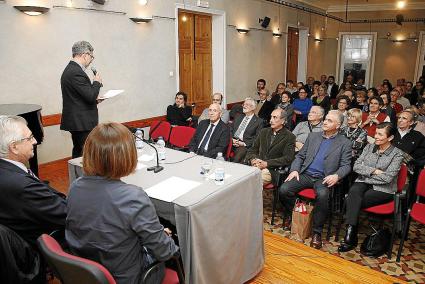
398 40
277 34
242 31
318 39
32 10
139 20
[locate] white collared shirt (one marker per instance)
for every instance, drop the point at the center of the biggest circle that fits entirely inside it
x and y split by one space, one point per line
402 133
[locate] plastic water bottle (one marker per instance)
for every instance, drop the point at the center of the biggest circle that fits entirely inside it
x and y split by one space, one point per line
139 137
161 148
219 170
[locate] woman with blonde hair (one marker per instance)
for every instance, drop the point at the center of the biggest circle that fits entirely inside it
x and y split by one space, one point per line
354 132
112 222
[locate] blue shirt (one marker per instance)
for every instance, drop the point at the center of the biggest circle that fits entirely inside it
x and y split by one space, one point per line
303 106
317 167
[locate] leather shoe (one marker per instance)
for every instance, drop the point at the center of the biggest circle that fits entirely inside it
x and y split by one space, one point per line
287 223
316 241
350 240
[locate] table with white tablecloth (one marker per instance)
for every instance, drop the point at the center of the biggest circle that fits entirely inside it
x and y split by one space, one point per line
220 227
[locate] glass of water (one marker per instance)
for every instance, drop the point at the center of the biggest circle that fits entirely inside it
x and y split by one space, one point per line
206 166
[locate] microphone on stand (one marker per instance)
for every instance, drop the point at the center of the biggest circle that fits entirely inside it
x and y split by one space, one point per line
157 168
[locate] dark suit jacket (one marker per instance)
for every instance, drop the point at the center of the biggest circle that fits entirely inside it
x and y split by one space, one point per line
337 159
334 91
28 206
79 105
252 129
278 154
265 112
218 142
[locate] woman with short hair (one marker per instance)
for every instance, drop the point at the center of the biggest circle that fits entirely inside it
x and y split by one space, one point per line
374 117
112 222
378 168
285 104
354 132
179 113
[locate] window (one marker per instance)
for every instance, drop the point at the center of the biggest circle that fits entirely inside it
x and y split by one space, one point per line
356 56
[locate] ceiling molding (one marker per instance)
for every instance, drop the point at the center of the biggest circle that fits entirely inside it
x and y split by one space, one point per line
374 7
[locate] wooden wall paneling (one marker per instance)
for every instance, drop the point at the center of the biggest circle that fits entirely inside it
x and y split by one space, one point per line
292 55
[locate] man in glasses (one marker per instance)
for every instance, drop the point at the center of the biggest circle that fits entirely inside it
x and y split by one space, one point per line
28 206
80 96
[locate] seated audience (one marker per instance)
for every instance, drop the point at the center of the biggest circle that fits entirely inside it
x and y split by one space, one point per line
372 92
179 113
377 167
353 131
28 206
361 101
244 130
315 91
332 87
322 99
348 86
285 104
304 128
323 80
273 147
394 104
211 136
308 87
322 162
359 85
408 92
217 98
386 87
401 99
419 124
290 87
374 117
342 105
261 84
387 109
349 79
416 93
280 88
302 105
110 221
264 107
409 140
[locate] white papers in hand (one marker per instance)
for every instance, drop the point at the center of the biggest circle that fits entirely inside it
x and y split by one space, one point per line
171 188
110 94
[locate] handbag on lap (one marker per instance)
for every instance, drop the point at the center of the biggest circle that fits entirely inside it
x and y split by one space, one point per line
302 219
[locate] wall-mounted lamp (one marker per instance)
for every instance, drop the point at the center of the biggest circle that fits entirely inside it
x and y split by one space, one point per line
242 31
398 40
318 39
139 20
143 2
277 34
32 10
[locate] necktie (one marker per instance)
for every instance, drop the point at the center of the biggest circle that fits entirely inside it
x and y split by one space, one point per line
241 127
32 174
206 139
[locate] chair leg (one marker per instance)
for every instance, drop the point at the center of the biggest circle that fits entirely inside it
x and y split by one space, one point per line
390 249
405 231
275 197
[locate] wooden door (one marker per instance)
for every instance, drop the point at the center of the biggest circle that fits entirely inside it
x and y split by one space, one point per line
292 55
195 58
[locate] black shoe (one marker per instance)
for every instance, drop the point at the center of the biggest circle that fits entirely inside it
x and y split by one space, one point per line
287 223
350 240
316 241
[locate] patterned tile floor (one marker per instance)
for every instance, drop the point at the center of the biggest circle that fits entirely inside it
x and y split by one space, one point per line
412 264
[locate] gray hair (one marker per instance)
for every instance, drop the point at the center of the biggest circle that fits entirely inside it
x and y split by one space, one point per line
338 114
322 111
253 102
283 114
81 47
10 131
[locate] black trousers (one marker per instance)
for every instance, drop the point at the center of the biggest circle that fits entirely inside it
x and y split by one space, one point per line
362 195
78 140
240 153
288 195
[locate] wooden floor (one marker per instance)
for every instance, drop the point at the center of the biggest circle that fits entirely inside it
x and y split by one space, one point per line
287 261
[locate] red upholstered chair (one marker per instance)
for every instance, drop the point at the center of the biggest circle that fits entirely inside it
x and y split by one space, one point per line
282 173
171 276
390 208
229 152
160 128
416 212
70 268
180 136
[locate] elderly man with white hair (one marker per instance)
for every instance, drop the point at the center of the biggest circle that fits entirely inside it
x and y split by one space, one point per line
212 136
324 159
27 206
217 98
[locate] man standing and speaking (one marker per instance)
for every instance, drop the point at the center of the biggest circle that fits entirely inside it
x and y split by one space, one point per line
80 96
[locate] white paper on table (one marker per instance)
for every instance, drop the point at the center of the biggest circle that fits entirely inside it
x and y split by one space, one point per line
110 94
145 158
171 188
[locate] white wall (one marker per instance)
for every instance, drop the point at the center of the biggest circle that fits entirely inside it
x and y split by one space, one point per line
137 58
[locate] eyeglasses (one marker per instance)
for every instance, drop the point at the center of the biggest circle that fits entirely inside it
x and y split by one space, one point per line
91 55
29 138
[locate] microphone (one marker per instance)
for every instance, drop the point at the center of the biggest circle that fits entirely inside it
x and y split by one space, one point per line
93 69
157 168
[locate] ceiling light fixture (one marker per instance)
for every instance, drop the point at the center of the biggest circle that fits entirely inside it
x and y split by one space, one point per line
32 10
401 4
